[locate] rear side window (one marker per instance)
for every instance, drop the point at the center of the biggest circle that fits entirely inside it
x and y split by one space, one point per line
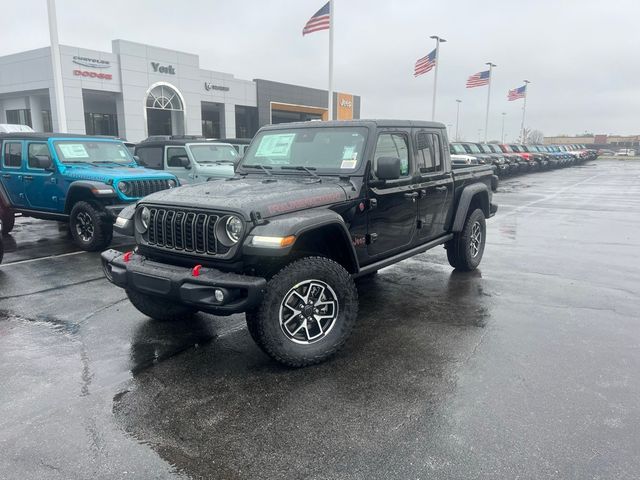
150 157
13 154
429 152
36 151
173 155
393 145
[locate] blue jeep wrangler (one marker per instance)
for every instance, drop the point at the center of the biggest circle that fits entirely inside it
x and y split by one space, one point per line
80 180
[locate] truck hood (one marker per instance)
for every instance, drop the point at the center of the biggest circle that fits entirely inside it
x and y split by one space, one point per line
267 196
103 173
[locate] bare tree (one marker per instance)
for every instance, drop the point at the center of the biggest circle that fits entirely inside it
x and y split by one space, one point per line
535 137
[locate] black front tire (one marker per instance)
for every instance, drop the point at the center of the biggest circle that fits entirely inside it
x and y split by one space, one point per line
91 227
265 324
159 308
465 251
8 219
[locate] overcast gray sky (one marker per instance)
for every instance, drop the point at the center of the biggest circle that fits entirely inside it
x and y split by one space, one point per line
581 56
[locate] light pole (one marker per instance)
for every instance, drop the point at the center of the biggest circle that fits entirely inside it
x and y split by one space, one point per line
438 40
458 101
524 108
504 114
486 118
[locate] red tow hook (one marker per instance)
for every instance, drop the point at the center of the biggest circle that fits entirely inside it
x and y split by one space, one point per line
127 256
195 272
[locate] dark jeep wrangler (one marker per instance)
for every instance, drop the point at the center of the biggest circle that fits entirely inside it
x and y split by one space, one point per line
312 207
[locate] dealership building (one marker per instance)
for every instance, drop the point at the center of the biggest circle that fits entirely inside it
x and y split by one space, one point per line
139 90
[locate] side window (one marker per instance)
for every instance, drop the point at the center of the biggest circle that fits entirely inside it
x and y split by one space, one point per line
172 156
393 145
36 151
13 154
150 157
429 152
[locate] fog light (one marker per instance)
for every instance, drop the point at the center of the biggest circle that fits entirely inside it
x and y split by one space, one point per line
219 294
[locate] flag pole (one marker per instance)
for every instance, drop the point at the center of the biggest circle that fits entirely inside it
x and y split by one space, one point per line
524 109
438 40
486 118
57 68
458 101
331 22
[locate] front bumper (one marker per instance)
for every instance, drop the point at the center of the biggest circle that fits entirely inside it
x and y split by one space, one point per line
241 292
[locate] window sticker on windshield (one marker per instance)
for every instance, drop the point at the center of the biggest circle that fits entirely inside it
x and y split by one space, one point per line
73 150
275 145
349 157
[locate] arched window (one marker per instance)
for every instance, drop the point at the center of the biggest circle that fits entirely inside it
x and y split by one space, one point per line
163 97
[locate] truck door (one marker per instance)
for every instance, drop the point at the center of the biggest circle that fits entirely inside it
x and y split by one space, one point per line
392 217
173 165
12 172
42 187
435 184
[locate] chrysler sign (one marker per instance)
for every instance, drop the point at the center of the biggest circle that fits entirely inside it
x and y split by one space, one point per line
91 62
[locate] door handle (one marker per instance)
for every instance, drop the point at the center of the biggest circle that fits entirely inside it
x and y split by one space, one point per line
411 195
6 175
441 189
28 177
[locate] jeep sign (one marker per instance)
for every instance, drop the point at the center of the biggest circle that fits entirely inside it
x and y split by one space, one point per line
168 69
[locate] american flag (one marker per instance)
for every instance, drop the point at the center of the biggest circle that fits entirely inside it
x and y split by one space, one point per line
517 93
320 21
425 64
479 79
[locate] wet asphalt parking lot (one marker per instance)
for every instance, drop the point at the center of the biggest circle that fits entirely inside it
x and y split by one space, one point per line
527 368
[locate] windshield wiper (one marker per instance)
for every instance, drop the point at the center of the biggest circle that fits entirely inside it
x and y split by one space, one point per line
262 167
102 162
309 170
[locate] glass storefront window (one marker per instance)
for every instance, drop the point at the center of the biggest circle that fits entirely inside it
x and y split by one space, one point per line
19 117
101 124
246 121
47 124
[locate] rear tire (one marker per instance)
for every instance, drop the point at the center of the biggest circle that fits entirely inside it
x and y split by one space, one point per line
8 219
159 308
91 227
465 251
325 298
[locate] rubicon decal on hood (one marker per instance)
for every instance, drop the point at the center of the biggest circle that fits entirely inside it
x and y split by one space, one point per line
292 205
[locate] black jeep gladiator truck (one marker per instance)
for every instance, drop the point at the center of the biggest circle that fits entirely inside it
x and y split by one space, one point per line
312 207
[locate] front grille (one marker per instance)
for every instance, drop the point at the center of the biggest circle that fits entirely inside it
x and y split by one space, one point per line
183 231
142 188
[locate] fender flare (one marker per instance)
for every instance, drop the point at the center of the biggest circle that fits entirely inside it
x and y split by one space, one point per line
300 224
468 193
98 190
5 201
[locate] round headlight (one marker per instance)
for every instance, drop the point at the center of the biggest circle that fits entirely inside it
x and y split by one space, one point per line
172 183
233 227
144 217
123 187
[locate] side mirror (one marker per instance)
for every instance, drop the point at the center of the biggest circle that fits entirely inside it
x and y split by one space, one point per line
136 158
184 162
389 168
42 161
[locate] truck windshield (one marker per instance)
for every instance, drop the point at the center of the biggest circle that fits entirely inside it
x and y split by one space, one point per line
473 148
211 153
325 149
486 149
458 149
88 151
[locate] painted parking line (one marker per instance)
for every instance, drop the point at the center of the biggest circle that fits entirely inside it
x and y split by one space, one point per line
49 257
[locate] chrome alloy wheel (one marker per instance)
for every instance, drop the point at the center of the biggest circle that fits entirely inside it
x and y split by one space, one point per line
84 226
308 311
475 240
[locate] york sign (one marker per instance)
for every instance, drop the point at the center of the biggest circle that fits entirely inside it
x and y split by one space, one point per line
167 69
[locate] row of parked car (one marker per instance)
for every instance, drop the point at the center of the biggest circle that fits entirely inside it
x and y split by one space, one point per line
510 159
86 181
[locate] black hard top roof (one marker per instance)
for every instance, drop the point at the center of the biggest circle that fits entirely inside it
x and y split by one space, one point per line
242 141
377 123
47 136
